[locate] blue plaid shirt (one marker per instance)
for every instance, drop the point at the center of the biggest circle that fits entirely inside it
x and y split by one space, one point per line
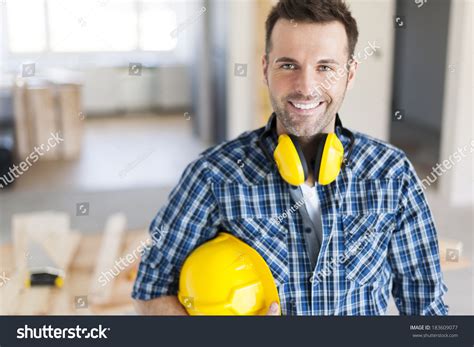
378 232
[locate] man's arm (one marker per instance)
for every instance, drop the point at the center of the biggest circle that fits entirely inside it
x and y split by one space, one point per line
170 306
190 217
162 306
418 286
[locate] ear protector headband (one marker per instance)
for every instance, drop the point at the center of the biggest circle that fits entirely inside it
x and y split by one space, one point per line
291 163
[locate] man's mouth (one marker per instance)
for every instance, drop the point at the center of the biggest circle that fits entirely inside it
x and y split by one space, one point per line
306 106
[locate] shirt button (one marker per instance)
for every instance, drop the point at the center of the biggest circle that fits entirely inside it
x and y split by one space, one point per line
308 230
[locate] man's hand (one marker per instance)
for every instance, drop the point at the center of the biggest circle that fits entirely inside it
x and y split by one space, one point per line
170 306
274 309
162 306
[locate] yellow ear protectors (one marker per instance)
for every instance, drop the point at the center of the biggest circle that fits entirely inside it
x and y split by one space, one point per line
292 164
326 165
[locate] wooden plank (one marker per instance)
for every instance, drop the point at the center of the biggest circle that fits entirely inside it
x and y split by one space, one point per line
78 282
69 103
42 110
10 293
106 261
87 253
23 131
60 302
19 241
50 230
123 284
34 301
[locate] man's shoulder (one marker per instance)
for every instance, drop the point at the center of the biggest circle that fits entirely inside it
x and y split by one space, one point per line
373 158
231 160
236 146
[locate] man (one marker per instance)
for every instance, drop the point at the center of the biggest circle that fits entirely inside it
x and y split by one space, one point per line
353 241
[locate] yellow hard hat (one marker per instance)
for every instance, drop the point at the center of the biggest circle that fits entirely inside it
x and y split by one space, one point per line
225 276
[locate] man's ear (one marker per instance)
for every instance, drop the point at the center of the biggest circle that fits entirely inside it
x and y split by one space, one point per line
352 69
265 69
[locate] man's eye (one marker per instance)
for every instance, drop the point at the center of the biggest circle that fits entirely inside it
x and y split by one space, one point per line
288 66
325 68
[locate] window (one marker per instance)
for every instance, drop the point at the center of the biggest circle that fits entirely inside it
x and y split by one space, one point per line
156 26
26 29
90 25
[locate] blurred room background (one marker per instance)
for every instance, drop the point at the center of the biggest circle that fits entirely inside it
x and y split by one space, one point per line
139 88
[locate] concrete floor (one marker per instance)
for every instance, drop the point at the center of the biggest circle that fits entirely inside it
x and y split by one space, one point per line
131 164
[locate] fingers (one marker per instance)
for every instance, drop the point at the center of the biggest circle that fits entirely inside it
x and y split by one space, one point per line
274 309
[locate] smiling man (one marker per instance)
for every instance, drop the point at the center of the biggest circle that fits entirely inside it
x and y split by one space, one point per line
351 240
301 72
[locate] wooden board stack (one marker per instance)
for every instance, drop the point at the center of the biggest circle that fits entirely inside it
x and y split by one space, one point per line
42 107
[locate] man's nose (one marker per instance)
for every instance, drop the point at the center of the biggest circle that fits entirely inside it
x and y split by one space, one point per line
307 83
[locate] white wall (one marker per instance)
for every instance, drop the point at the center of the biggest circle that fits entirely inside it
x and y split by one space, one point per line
3 43
201 79
457 184
241 49
367 106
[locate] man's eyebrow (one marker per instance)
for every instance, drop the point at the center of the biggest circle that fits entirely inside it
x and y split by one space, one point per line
286 60
328 61
292 60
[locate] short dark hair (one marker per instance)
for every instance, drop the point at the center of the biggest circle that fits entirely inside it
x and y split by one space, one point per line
313 11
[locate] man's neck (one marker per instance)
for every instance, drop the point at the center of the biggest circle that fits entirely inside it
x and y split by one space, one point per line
308 146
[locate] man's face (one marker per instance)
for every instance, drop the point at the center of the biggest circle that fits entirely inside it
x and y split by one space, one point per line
301 71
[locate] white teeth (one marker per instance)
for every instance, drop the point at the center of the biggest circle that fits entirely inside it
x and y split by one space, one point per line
305 106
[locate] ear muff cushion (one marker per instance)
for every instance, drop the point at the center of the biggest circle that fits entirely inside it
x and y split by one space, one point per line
301 155
320 143
288 160
331 159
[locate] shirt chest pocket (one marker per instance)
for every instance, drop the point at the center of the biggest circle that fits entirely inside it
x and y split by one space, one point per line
268 239
366 239
249 213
